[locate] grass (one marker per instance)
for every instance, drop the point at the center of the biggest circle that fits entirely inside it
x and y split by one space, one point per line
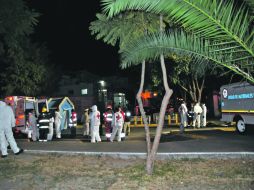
79 172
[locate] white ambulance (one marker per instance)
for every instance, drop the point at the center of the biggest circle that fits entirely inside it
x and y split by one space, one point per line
237 104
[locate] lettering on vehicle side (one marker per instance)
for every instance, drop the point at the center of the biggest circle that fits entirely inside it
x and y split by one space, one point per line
241 96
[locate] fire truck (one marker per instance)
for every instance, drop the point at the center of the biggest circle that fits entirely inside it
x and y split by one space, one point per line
22 105
237 104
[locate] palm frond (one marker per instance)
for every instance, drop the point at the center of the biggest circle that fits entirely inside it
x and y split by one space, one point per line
220 21
200 50
250 3
124 27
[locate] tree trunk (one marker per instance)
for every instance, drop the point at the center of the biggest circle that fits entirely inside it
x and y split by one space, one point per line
200 90
164 104
141 108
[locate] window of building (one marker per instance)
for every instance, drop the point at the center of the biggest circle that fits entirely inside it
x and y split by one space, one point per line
84 91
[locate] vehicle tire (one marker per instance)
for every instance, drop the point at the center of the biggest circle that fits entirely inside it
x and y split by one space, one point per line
241 126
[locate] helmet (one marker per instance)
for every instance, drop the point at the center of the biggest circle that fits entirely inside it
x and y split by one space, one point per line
44 109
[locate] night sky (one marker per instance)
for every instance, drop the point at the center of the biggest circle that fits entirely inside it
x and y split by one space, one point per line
64 27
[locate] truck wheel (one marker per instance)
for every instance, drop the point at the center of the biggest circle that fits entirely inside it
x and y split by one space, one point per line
241 126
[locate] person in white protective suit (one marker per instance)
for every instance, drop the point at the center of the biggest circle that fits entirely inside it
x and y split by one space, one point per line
8 146
33 126
203 115
58 118
183 111
95 125
197 113
7 121
117 125
51 128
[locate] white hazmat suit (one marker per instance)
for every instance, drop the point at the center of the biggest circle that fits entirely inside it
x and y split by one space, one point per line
183 114
51 129
118 126
58 118
203 115
95 125
7 121
197 112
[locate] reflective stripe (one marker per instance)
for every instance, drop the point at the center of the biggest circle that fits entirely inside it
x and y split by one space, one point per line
43 120
44 127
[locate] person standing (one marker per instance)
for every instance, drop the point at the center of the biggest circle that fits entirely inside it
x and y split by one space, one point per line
95 125
203 115
58 118
108 118
190 115
7 121
73 123
127 123
43 125
51 127
33 123
86 128
183 111
197 113
118 125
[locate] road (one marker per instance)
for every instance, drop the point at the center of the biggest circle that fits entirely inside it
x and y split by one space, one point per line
214 139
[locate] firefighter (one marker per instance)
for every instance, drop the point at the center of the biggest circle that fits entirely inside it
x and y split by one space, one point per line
58 118
108 118
203 115
7 121
43 125
95 125
197 113
118 125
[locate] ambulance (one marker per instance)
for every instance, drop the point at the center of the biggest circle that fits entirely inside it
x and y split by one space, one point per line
237 105
21 106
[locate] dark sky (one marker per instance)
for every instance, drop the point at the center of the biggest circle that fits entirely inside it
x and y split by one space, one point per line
64 26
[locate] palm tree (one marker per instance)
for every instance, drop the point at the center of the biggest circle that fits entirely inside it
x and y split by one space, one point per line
219 31
125 28
226 26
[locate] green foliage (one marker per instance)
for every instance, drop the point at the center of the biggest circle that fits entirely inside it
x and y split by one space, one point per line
124 27
25 70
15 20
177 42
22 62
226 25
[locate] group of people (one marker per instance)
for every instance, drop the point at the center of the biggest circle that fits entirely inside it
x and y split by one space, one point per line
195 117
114 123
42 128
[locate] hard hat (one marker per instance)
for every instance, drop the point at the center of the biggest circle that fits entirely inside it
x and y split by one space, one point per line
44 109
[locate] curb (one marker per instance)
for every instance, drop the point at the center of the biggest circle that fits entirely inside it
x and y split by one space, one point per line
159 156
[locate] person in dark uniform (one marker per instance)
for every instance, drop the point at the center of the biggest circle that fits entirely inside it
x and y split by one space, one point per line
43 124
